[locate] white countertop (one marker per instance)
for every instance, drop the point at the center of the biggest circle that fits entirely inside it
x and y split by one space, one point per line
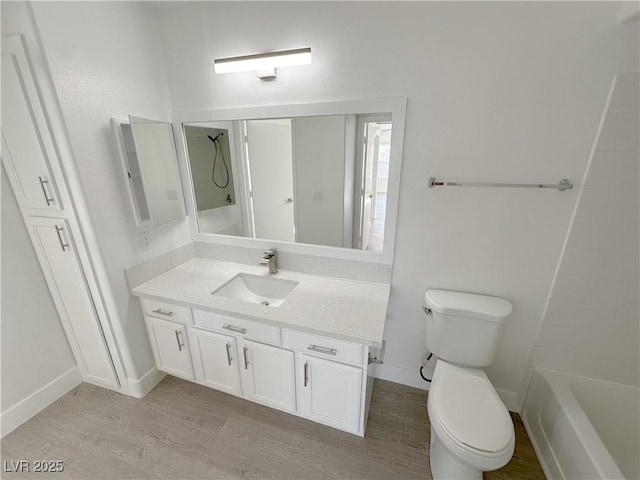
339 308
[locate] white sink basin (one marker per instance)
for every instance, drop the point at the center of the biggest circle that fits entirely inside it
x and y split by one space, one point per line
256 289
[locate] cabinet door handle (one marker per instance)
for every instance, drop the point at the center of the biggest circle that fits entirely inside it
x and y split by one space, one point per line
231 328
62 244
162 312
246 361
44 191
180 344
325 350
229 353
306 373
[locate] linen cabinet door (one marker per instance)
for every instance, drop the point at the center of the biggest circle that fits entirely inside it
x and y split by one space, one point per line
331 392
268 375
215 360
54 245
170 348
27 146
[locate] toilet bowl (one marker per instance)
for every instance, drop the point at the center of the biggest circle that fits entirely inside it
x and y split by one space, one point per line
471 429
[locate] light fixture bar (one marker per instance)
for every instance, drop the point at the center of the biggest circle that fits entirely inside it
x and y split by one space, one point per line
263 61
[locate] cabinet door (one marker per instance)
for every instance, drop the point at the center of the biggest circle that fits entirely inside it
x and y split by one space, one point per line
331 392
215 360
170 348
268 375
27 146
55 248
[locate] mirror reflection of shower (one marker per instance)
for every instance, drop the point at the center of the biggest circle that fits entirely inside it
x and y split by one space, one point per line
209 158
218 154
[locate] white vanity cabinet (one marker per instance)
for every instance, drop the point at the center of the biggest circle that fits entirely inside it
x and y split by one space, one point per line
168 337
324 379
268 375
332 378
215 360
331 392
170 348
243 357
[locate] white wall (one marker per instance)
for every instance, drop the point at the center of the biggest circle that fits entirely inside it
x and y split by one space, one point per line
591 323
319 167
34 349
105 60
496 91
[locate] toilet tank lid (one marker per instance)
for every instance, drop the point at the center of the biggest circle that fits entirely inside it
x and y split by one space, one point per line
468 305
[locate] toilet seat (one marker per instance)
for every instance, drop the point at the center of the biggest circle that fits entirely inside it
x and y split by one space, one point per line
465 408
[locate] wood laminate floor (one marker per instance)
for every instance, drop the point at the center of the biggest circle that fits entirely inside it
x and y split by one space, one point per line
185 431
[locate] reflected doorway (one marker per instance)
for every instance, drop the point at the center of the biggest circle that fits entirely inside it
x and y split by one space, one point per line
372 178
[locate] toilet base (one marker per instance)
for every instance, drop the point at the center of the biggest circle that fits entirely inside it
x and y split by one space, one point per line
446 466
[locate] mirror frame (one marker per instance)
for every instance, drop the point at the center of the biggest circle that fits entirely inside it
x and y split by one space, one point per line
394 105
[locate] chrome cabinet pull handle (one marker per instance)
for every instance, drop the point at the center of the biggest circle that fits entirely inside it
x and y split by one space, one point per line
306 373
246 362
62 244
231 328
162 312
180 344
229 353
44 192
325 350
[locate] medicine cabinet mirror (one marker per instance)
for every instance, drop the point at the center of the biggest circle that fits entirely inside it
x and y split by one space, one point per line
148 154
318 174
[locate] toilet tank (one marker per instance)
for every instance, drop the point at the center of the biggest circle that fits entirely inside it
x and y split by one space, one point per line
465 328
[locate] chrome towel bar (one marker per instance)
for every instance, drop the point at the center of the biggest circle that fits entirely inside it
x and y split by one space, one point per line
563 185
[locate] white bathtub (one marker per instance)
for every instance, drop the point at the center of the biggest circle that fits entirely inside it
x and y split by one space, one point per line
582 428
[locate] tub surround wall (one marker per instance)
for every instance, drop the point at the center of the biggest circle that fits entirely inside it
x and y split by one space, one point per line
591 324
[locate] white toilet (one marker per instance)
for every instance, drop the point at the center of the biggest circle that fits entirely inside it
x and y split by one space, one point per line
471 430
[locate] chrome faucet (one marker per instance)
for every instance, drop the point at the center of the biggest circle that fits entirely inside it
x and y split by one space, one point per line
271 260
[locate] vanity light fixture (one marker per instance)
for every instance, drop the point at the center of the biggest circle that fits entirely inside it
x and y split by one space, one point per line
264 64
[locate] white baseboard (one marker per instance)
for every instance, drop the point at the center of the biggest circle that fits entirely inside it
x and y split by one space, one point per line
510 400
38 400
140 387
405 376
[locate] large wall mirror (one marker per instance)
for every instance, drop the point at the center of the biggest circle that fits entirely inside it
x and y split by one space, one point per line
316 174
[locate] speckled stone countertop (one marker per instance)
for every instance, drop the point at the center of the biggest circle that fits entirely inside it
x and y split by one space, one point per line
345 309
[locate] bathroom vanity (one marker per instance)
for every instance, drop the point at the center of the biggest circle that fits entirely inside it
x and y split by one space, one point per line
313 355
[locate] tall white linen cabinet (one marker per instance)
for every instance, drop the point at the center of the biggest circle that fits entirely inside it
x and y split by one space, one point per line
31 157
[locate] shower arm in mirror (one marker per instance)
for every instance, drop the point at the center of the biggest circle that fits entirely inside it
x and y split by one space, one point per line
237 123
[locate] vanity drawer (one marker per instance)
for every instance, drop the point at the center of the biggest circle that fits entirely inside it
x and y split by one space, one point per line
166 311
330 348
249 329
